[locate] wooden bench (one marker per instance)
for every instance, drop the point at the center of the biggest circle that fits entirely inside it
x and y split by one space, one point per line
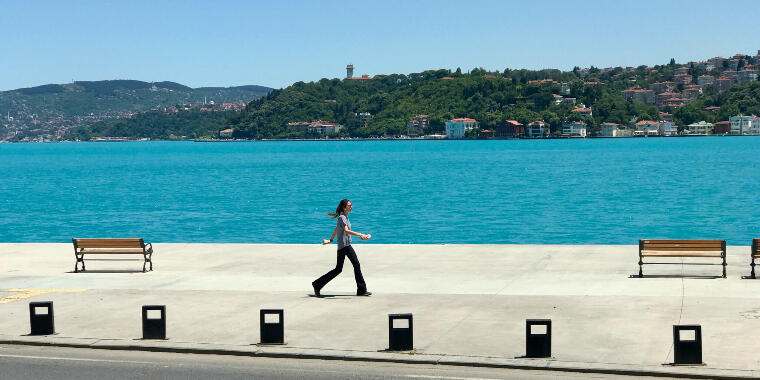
111 247
682 248
753 254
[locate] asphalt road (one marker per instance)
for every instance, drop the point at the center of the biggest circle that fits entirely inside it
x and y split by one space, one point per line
44 362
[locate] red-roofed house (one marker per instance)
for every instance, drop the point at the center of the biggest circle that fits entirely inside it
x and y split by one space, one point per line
644 96
456 128
509 128
584 111
647 128
682 78
323 127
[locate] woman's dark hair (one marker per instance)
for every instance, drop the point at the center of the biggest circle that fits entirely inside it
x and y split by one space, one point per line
339 210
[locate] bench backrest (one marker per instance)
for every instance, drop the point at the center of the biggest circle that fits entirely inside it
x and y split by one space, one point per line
682 245
755 247
108 243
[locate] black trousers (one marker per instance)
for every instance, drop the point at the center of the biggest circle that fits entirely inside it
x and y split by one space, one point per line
361 287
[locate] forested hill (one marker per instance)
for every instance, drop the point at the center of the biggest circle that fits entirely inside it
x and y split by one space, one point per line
489 97
53 109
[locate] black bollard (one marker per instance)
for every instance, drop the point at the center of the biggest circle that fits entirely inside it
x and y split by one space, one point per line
272 332
154 328
400 338
687 351
42 324
538 345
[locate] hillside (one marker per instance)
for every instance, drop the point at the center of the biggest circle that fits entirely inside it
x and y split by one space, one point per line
383 105
51 110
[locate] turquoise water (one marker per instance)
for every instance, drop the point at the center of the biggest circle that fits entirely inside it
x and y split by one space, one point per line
595 191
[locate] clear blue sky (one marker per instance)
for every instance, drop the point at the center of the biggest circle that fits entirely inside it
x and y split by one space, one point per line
275 43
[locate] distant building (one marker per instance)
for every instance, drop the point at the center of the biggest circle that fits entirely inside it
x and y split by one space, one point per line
666 116
323 128
659 87
675 102
682 79
537 129
711 110
722 84
722 128
584 111
570 101
417 125
746 76
662 97
615 130
701 128
349 71
557 99
744 125
363 77
667 128
692 91
510 128
456 128
226 133
647 128
705 80
731 74
644 96
681 70
574 129
299 126
564 88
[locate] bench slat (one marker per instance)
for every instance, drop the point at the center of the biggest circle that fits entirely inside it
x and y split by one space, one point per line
682 253
680 248
645 241
111 252
108 243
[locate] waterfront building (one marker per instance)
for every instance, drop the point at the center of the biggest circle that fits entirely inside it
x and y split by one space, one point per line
642 95
537 128
615 130
300 126
456 128
683 79
485 134
701 128
510 128
417 125
722 128
705 80
574 129
667 128
226 133
744 125
660 87
647 128
323 128
681 70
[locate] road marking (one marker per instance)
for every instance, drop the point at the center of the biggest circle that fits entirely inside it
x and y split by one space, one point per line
73 359
28 293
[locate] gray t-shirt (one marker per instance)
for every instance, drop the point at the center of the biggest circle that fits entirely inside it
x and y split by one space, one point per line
344 239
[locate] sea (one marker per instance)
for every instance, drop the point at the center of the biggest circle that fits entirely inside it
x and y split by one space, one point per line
553 191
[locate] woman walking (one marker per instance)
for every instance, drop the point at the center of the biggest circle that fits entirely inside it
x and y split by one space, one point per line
344 232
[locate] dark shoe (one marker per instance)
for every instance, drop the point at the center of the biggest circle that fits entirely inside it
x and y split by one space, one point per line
364 294
316 290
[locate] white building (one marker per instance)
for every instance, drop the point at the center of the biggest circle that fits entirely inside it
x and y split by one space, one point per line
323 128
456 128
647 128
744 125
537 129
701 128
615 130
574 129
667 128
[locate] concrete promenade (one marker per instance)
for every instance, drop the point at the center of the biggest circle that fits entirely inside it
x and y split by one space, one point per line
469 303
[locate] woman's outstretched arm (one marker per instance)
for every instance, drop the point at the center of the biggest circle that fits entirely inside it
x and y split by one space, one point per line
361 235
335 231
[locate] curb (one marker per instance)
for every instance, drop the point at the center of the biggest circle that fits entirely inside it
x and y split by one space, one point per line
693 372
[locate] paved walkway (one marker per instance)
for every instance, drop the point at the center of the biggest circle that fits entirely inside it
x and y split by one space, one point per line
469 303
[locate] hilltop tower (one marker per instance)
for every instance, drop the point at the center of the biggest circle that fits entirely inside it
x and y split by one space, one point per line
349 71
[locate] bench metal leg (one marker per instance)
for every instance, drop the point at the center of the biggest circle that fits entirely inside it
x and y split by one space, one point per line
724 266
641 273
752 264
